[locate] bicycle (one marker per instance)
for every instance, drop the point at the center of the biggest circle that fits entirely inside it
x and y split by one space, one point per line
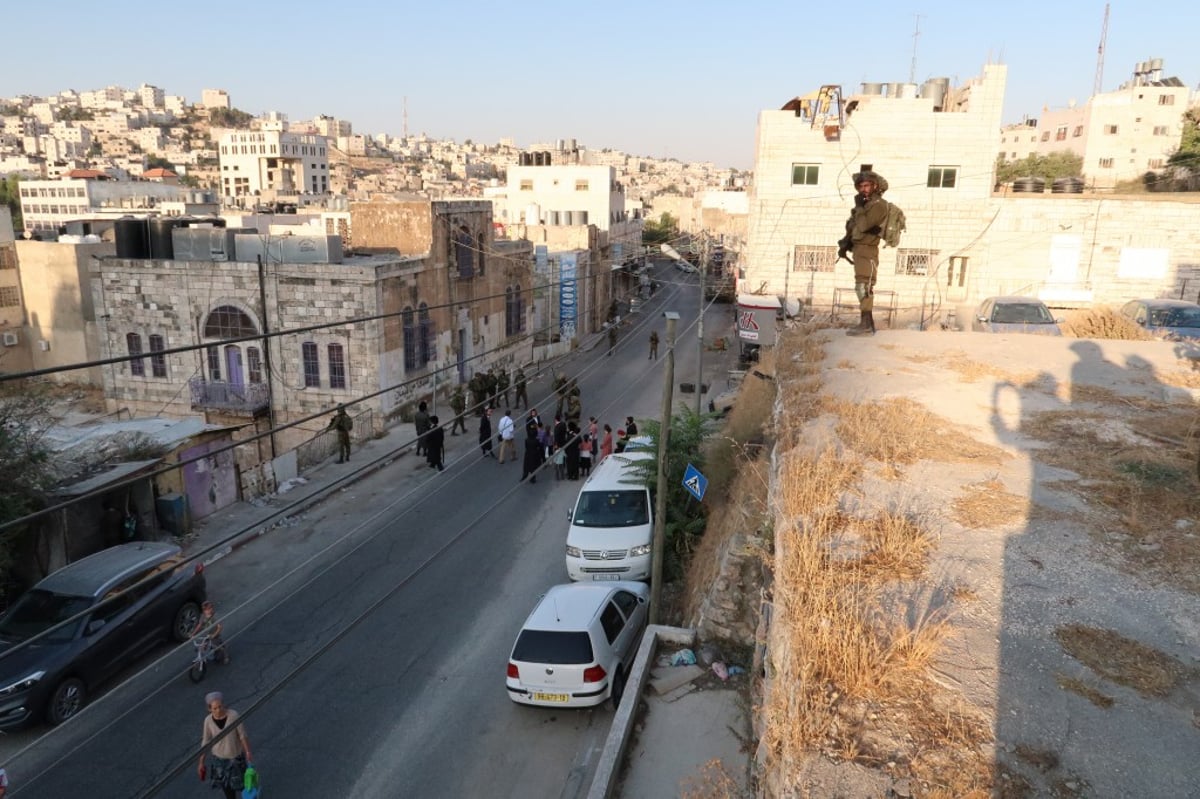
205 654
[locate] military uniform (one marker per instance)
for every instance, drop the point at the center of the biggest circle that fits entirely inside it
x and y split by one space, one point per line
574 408
502 386
458 404
489 381
343 424
560 390
863 231
521 388
478 393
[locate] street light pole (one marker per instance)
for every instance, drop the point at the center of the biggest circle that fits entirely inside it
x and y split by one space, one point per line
660 504
700 328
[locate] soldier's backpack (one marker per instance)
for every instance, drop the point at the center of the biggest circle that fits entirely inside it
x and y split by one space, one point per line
893 225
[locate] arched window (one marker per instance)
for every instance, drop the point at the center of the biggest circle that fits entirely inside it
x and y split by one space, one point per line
214 363
337 366
133 343
312 366
158 363
410 339
425 336
254 364
463 257
227 321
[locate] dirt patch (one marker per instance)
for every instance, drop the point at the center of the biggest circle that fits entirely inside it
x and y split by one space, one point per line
1123 660
988 504
1102 323
1089 693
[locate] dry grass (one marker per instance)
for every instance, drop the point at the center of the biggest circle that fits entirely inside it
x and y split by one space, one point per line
1083 689
713 782
897 432
1180 378
987 504
1123 660
1102 323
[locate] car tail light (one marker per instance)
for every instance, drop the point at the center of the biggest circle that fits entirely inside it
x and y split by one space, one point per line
512 671
594 674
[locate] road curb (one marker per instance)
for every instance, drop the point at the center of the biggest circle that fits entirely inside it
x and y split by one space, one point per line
612 757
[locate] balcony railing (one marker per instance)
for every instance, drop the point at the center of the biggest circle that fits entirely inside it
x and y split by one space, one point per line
218 395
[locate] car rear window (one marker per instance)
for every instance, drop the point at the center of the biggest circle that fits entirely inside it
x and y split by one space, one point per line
546 646
612 509
38 611
1021 313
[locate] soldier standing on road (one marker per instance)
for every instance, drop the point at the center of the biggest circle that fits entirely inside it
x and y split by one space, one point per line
863 230
342 423
458 404
476 387
521 388
560 390
490 383
502 387
653 344
421 423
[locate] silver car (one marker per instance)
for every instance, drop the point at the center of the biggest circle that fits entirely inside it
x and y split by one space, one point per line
1015 315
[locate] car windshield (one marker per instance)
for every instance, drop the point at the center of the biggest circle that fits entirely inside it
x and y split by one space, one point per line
1175 317
38 611
547 646
1021 313
612 509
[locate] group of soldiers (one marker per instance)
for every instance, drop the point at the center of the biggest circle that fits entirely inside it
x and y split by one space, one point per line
488 389
569 396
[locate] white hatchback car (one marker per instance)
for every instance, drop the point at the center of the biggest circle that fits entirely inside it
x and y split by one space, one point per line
578 644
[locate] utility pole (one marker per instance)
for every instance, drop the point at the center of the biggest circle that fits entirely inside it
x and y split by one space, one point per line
266 352
1098 86
912 68
700 326
660 504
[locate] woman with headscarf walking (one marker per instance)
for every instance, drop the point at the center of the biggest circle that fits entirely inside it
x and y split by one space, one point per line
225 764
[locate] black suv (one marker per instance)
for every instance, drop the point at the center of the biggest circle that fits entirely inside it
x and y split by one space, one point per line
124 617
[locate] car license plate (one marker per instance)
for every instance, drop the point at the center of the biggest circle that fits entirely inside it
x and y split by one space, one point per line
606 577
540 697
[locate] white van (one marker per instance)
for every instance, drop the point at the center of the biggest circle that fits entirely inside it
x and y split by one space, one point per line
612 524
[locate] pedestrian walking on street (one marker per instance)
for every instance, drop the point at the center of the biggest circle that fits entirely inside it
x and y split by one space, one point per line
572 449
519 384
533 454
458 404
606 444
612 337
585 455
435 444
421 423
342 423
535 418
593 430
225 765
653 345
485 433
508 432
630 427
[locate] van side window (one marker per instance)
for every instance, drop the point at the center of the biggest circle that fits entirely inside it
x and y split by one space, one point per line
612 621
626 601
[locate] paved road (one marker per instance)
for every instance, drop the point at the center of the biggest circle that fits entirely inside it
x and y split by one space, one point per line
376 668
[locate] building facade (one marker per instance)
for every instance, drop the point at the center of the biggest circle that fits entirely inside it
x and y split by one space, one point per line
272 164
48 205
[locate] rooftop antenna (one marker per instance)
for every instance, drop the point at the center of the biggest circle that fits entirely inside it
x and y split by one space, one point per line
1099 84
912 69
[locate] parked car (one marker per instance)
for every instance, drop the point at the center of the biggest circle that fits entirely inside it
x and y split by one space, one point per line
1015 315
116 618
578 644
1174 319
612 523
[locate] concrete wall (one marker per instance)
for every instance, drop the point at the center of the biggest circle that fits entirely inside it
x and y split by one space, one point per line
59 307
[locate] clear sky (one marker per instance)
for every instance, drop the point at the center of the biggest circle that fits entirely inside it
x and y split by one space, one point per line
667 78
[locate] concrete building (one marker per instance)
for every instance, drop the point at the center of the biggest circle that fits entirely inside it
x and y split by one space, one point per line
215 98
151 96
1120 135
48 205
269 165
14 339
936 147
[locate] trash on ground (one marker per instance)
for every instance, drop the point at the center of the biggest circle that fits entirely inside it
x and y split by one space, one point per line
684 657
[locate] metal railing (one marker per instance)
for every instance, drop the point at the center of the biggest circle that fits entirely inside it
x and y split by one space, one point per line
325 443
217 394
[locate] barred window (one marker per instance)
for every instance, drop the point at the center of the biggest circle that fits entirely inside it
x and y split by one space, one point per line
9 296
254 364
337 366
133 343
8 256
409 328
915 262
158 361
214 363
312 366
805 174
425 343
814 259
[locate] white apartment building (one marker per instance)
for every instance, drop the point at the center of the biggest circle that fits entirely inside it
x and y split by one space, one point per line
214 98
1120 135
150 96
47 205
331 127
109 98
272 164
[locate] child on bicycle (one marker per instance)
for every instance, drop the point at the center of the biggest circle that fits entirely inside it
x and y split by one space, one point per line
210 626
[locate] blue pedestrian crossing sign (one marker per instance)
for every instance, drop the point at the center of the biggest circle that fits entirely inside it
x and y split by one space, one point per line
694 482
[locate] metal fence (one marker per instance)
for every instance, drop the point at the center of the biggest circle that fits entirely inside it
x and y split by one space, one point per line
325 443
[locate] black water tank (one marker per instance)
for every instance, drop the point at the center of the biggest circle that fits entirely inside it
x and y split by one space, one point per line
1029 185
131 237
546 156
537 158
1067 186
161 246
